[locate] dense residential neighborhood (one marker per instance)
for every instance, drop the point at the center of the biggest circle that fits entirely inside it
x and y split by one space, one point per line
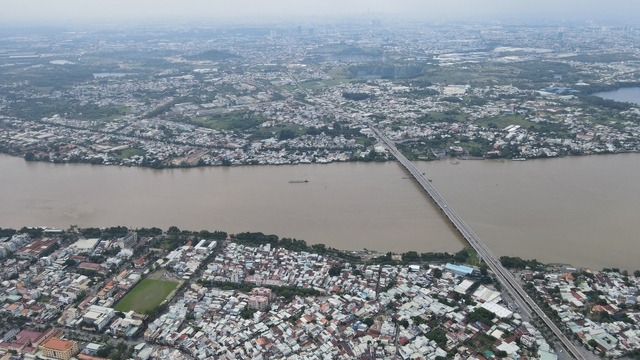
252 295
296 97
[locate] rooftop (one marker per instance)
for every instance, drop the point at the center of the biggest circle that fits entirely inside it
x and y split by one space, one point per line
57 344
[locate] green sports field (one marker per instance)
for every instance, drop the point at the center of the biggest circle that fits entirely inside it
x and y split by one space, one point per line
146 296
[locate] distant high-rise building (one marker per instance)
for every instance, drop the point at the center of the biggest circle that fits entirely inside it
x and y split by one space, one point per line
310 31
560 33
299 30
376 23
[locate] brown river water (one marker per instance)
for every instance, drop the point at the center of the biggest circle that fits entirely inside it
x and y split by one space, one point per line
583 211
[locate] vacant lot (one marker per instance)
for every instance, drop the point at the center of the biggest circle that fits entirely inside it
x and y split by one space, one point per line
146 296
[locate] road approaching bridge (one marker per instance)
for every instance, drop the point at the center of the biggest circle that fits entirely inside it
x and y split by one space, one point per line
524 303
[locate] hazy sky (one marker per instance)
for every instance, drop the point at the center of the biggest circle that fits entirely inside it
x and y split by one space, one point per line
66 11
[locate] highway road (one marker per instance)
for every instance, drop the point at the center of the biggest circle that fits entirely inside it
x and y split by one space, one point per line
524 304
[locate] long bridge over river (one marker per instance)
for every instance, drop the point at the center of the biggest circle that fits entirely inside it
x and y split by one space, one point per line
525 304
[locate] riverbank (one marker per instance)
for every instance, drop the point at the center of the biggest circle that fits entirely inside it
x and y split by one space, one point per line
380 158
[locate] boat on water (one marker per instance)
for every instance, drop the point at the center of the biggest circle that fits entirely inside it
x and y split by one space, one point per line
298 181
519 159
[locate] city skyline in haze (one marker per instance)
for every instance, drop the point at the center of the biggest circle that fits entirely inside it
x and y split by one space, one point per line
70 12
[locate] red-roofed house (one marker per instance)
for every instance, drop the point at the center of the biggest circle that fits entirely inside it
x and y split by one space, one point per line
59 349
89 266
26 341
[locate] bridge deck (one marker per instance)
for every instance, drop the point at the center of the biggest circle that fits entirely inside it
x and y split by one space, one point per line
524 303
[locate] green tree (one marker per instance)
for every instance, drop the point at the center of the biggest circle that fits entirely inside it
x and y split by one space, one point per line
482 315
286 134
335 270
7 232
319 248
410 256
483 270
149 232
438 336
461 256
437 273
69 262
105 351
91 232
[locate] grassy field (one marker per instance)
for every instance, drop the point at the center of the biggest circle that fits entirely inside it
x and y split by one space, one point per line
439 117
127 153
236 120
146 296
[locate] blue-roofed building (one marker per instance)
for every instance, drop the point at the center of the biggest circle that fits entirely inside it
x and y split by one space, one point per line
459 270
561 90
